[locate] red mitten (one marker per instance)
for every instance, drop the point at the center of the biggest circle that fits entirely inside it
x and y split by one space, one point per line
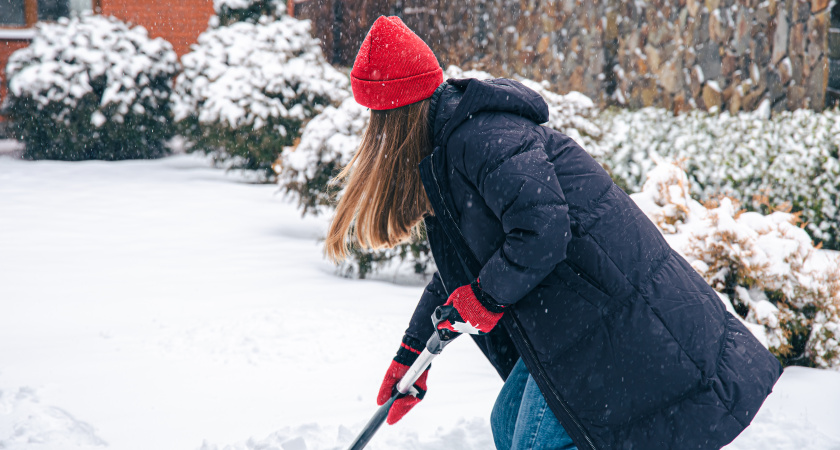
406 355
475 312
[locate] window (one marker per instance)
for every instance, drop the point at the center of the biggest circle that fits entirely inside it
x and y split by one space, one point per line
22 13
12 12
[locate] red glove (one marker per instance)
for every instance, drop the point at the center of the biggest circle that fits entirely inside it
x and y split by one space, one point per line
406 355
475 311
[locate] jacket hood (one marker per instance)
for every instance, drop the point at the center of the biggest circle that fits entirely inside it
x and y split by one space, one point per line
456 100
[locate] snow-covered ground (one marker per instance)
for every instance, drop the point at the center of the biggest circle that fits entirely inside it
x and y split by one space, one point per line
168 305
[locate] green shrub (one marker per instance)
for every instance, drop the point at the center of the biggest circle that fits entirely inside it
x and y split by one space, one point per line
91 88
247 89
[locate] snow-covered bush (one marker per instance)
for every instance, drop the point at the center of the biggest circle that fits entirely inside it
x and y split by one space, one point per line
90 87
416 253
765 265
789 158
572 114
247 89
665 197
327 145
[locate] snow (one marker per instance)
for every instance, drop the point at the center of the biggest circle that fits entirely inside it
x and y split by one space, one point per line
10 147
166 304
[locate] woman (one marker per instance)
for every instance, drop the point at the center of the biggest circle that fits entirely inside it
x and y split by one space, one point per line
606 337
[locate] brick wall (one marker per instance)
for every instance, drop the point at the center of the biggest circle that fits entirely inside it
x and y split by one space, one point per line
7 47
178 21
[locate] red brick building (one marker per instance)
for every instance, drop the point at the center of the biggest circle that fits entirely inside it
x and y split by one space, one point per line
178 21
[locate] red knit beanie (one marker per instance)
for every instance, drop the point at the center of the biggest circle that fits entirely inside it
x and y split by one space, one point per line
394 67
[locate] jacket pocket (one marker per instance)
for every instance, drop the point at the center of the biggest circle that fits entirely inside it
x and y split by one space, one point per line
582 283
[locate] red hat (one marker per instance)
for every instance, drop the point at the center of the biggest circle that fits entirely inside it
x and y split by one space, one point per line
394 67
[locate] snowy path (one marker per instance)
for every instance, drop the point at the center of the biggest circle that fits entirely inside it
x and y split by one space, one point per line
167 305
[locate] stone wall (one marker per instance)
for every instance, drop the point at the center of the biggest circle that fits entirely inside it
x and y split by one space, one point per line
722 54
679 54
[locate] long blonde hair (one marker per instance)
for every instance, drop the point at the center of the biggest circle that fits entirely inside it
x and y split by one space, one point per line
383 193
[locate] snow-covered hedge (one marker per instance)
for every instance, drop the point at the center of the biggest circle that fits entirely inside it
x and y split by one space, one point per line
90 87
327 145
789 158
247 88
764 267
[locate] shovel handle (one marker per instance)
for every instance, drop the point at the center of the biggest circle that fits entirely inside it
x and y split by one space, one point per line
434 346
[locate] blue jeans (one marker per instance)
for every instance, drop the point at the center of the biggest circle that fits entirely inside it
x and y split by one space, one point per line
521 419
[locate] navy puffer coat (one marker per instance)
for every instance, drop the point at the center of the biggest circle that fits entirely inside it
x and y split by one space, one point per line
628 344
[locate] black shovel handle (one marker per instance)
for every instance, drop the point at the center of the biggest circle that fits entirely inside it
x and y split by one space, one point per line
373 424
433 348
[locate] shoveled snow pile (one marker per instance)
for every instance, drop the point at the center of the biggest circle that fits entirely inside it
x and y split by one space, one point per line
168 305
25 421
763 266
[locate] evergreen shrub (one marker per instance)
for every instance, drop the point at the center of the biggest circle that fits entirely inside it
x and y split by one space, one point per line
91 87
758 160
249 86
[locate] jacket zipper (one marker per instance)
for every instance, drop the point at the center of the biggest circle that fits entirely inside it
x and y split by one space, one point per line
562 403
524 340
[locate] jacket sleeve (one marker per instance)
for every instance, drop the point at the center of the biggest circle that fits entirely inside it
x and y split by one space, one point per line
519 184
434 295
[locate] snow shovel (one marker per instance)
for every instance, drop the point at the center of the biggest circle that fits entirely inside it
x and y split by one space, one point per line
433 348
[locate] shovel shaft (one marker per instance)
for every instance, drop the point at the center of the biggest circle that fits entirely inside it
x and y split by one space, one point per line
420 365
433 348
373 425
